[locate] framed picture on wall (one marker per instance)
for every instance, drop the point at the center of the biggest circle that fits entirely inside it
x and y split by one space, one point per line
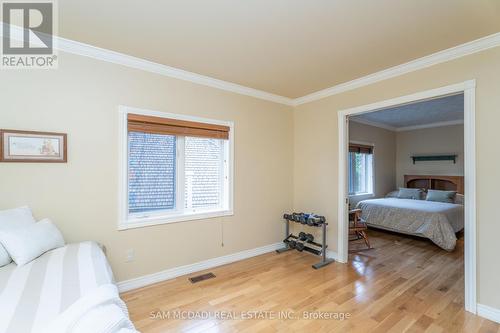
35 147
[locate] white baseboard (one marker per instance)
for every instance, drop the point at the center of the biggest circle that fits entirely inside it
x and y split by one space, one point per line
172 273
196 267
332 254
488 312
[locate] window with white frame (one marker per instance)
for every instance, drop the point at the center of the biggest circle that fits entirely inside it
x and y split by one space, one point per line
175 169
360 169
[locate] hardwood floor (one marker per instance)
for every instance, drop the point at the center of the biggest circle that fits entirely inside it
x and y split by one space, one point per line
402 285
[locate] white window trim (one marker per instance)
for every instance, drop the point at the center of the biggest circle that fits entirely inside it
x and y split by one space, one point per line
361 196
125 221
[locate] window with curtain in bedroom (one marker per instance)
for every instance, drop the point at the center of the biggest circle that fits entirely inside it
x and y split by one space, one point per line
360 169
176 169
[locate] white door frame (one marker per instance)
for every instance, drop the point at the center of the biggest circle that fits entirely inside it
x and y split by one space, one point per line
468 88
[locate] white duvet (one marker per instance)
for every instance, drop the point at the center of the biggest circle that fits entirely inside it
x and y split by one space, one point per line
437 221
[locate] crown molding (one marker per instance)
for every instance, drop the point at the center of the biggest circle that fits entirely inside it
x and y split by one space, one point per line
90 51
439 124
86 50
407 128
374 124
456 52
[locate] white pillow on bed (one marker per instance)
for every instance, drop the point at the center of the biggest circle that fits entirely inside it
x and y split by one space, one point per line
28 243
9 220
410 193
392 194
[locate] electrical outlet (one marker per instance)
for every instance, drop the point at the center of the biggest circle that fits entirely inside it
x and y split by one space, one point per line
130 255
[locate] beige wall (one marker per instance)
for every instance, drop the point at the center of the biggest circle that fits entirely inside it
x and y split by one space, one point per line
316 134
81 98
384 142
432 141
393 151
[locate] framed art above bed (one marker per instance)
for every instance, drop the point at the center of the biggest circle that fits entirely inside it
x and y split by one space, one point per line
435 182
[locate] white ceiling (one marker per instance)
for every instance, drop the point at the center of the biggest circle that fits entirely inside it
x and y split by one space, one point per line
287 47
440 111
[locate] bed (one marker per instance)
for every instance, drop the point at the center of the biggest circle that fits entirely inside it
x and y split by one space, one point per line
437 221
65 289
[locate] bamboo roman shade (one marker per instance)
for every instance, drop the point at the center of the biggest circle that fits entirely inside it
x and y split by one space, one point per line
158 125
363 149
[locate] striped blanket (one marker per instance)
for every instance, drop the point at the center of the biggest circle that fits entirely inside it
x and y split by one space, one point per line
33 295
100 311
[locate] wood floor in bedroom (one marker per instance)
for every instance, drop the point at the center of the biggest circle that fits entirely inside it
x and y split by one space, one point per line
402 285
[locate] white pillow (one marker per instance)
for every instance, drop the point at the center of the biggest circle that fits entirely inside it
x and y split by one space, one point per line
11 219
28 243
392 194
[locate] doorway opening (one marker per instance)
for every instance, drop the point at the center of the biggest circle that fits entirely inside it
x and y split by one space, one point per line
358 171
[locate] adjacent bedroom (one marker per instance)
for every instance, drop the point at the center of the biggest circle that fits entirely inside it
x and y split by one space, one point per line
249 166
405 169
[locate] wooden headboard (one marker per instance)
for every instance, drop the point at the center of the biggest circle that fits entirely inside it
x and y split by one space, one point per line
444 183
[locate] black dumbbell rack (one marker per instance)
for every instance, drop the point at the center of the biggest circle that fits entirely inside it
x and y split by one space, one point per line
316 221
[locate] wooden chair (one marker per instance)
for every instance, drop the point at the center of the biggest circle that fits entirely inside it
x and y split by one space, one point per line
357 226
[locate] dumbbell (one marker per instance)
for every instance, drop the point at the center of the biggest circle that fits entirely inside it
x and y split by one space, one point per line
313 251
292 244
311 222
314 220
299 217
287 216
302 247
305 237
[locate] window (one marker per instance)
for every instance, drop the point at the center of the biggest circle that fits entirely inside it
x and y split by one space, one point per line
360 169
151 172
204 175
173 169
